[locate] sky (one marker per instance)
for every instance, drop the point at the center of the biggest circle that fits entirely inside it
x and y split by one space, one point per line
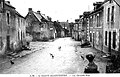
61 10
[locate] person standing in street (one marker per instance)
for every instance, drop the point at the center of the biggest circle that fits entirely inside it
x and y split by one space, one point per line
91 67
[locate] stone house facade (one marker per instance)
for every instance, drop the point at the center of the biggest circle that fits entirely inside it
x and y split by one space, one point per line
59 30
10 36
75 33
39 26
66 27
96 26
111 26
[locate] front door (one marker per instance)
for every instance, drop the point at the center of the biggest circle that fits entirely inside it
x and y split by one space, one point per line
109 43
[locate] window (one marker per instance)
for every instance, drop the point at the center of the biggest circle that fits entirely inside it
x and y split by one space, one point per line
108 15
98 20
106 38
18 22
90 37
18 36
97 38
8 18
112 15
91 21
114 40
21 35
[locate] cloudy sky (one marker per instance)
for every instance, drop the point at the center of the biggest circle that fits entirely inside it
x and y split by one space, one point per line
61 10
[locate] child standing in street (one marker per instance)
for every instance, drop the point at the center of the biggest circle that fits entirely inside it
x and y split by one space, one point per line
91 67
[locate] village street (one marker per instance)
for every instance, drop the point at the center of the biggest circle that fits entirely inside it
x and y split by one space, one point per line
66 60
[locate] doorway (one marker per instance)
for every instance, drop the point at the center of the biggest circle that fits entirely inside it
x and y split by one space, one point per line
109 43
8 42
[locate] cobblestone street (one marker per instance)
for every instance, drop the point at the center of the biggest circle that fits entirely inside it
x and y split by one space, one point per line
48 58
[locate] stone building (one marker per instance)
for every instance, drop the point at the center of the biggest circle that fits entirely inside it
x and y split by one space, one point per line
96 26
76 30
111 26
71 28
39 26
12 27
66 27
52 30
80 29
85 29
59 30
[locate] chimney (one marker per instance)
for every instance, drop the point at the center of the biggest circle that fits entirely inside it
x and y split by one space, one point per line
1 0
80 16
67 21
38 12
8 2
97 5
30 9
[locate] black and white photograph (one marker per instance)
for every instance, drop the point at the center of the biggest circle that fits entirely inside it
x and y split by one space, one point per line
59 38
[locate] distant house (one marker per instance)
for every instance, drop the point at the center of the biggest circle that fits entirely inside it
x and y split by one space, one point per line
52 30
71 28
66 27
12 28
75 33
38 26
59 29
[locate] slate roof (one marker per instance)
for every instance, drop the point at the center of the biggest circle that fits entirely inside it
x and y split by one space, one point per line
45 17
117 2
6 2
38 16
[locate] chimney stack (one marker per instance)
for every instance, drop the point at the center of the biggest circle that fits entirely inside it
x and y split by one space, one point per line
67 21
1 0
38 12
30 9
8 2
97 5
